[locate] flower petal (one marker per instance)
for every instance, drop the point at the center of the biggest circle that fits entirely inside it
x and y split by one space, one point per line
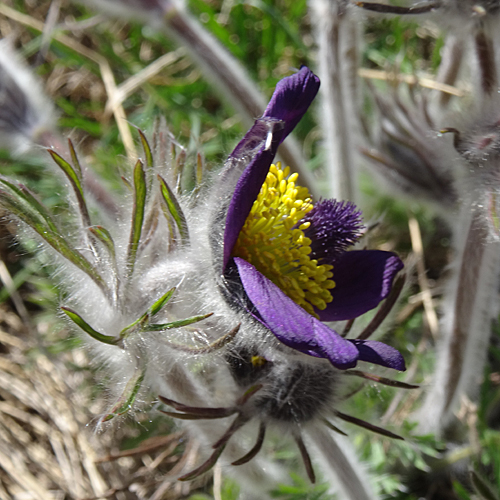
362 279
266 134
290 100
291 324
379 354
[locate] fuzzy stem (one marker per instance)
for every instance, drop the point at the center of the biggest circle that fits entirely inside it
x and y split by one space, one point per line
231 80
485 52
466 324
339 468
452 56
338 63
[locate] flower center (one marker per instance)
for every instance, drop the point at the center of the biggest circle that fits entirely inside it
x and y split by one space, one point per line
273 240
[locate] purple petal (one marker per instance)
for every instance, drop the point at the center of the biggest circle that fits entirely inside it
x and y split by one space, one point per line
292 98
269 133
363 278
379 354
291 324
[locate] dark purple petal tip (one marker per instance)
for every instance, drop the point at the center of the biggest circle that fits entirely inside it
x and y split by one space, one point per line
292 97
363 278
380 354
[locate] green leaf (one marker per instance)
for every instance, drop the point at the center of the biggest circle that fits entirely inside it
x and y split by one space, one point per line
77 319
174 209
127 398
144 319
147 149
74 159
21 203
74 180
105 238
200 167
137 214
176 324
161 302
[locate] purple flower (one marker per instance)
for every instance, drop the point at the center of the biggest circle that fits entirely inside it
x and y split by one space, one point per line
290 256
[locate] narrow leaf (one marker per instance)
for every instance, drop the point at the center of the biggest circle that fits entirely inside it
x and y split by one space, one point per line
137 214
161 302
306 458
147 149
204 467
74 180
21 203
180 163
174 209
248 394
255 449
333 427
367 425
77 319
144 319
127 398
199 169
176 324
105 238
74 159
381 380
220 412
127 184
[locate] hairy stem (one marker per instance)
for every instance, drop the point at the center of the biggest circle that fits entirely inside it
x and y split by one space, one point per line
338 62
340 467
466 324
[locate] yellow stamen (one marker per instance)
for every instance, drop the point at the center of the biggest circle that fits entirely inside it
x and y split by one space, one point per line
271 241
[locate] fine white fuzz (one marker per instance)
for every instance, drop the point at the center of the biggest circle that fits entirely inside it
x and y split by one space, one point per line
469 308
160 319
337 37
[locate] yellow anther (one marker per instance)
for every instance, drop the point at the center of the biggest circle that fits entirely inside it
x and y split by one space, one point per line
258 361
272 239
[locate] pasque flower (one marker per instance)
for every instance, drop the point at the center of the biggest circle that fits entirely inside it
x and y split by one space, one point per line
291 256
231 289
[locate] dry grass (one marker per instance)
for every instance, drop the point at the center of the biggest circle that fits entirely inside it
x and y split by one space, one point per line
49 448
